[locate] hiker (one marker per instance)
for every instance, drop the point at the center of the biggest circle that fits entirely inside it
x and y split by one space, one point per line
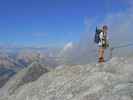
102 41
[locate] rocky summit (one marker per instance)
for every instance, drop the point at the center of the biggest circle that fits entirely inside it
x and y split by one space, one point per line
110 81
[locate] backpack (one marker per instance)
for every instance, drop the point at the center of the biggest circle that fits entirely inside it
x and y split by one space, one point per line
97 35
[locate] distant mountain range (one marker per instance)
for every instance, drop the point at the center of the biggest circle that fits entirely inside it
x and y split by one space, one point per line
14 59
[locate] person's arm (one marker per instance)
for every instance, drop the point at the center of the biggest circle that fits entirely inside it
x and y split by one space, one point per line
101 35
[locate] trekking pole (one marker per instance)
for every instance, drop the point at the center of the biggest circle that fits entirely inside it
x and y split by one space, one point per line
117 47
111 52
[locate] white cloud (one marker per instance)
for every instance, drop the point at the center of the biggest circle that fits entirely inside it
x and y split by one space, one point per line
120 32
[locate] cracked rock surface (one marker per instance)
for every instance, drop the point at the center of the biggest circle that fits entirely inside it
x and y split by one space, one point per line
110 81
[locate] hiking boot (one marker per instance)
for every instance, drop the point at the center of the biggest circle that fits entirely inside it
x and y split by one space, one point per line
101 60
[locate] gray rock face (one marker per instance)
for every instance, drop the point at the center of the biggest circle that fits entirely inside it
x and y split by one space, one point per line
8 67
27 75
110 81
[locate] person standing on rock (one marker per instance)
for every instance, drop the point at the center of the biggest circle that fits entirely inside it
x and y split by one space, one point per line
102 40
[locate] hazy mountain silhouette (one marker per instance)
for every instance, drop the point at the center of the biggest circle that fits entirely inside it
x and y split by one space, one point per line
12 60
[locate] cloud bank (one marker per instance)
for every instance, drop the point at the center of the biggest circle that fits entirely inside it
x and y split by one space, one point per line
120 33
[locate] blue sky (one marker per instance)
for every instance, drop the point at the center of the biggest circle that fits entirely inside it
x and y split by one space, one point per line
50 22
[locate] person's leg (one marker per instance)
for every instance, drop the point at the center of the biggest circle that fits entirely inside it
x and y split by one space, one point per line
101 54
